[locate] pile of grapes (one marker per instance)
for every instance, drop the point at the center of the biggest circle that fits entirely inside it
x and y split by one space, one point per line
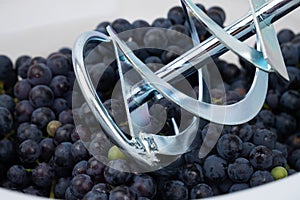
42 150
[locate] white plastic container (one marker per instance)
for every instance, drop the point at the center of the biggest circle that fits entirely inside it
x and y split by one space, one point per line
37 28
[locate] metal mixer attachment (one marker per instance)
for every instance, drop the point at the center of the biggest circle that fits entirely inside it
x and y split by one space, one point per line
156 151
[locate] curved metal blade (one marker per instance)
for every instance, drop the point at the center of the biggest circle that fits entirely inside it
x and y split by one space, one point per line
268 41
250 54
233 114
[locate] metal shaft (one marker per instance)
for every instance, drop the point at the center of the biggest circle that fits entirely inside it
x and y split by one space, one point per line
190 61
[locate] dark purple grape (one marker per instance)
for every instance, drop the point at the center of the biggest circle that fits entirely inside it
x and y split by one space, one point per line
260 178
176 15
121 25
42 116
215 168
61 186
29 131
161 23
247 148
6 121
122 192
191 174
66 117
244 131
39 74
21 60
58 64
175 190
265 137
285 124
59 105
272 99
42 175
22 89
7 102
29 151
41 96
143 185
47 148
267 118
7 151
290 101
17 175
63 133
117 172
201 190
60 85
95 169
229 146
62 155
23 111
261 157
80 185
79 152
80 168
240 170
278 159
285 35
6 67
217 14
290 53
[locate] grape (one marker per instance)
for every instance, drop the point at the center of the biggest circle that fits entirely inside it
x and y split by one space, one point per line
47 148
42 116
58 64
39 74
117 172
59 105
7 151
29 131
80 185
80 168
29 151
6 67
41 96
17 174
23 111
201 191
6 101
176 15
42 175
6 121
61 186
175 190
161 23
59 85
22 89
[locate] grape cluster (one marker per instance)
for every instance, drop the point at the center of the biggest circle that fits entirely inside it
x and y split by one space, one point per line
44 152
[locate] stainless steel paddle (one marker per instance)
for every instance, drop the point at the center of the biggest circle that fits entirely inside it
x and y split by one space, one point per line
148 148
